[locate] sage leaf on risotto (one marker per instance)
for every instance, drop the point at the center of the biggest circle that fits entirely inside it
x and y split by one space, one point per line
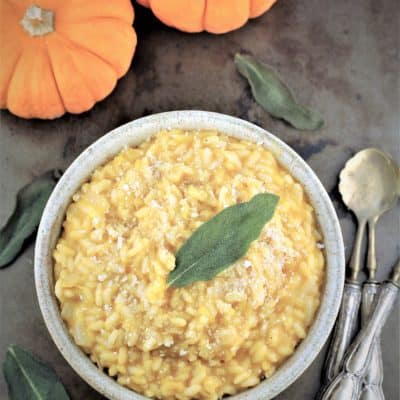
31 200
222 240
274 96
29 378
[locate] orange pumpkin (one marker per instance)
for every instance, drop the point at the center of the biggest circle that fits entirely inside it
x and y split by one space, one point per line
62 56
215 16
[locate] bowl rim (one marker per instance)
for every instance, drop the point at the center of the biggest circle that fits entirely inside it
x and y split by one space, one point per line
133 133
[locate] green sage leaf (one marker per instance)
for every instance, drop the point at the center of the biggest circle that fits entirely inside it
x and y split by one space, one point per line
25 218
274 96
222 240
29 378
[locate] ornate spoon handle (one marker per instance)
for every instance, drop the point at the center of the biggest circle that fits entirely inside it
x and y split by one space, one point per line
372 385
344 330
345 326
347 384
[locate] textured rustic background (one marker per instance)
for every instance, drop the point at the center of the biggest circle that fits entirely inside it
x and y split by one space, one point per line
338 56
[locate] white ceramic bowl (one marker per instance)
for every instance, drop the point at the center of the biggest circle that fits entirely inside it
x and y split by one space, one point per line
132 134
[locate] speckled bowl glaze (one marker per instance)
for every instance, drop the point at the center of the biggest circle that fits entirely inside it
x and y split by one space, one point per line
132 134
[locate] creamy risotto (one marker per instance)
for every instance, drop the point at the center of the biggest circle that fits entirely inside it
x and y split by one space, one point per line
117 247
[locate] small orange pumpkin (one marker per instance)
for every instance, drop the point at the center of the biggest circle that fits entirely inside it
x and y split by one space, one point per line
62 56
215 16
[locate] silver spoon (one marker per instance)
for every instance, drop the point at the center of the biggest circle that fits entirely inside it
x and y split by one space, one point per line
372 381
369 185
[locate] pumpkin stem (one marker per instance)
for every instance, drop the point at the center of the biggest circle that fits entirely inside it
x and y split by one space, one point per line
37 21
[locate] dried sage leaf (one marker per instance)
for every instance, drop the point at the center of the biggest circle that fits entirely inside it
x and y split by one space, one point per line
29 378
222 240
274 96
31 200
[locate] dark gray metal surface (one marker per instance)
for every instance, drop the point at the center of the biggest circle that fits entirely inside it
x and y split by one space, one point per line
340 57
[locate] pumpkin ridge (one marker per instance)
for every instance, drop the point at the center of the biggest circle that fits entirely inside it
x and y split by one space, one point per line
53 75
225 15
203 18
95 97
7 84
78 71
28 94
72 53
79 45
